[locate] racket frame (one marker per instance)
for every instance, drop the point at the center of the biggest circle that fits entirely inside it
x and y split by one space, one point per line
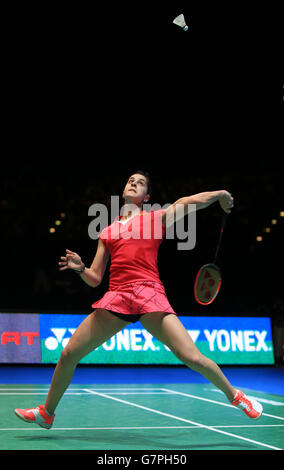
212 266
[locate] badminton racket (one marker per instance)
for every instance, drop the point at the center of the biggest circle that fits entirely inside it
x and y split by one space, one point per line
209 278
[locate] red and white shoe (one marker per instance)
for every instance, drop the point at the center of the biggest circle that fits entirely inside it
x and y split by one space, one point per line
36 415
251 407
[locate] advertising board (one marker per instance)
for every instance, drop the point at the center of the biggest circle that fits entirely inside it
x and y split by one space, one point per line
226 340
40 338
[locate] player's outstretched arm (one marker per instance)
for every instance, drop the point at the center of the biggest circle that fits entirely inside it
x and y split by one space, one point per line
187 204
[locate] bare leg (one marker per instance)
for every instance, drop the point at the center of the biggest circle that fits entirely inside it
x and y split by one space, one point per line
168 329
97 328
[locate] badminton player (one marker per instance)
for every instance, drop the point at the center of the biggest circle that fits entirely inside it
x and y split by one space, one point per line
135 293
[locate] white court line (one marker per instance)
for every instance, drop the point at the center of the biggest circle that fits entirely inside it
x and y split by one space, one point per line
127 388
80 388
139 427
174 392
139 393
41 393
99 428
210 428
273 416
26 389
73 392
249 426
85 393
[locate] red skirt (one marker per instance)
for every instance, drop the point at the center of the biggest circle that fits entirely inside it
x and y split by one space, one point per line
136 298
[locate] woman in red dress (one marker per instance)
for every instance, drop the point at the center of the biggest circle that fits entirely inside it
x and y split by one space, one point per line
135 293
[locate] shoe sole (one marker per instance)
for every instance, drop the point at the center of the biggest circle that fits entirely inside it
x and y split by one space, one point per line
257 417
259 408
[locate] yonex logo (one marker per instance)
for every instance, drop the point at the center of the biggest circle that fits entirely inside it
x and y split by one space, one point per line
52 342
246 340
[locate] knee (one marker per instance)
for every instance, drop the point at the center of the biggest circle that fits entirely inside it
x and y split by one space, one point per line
194 360
68 356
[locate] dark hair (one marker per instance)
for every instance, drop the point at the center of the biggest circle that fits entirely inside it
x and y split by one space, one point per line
147 176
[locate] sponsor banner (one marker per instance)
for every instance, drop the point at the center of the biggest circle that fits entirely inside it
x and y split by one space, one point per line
226 340
40 338
19 338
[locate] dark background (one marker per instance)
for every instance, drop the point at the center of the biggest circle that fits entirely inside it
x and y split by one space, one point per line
92 94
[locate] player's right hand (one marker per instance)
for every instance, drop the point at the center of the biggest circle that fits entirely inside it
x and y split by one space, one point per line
226 201
71 261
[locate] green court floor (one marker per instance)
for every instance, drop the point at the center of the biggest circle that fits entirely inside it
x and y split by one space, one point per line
141 417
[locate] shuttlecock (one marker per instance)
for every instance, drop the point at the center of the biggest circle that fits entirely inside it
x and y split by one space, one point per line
180 21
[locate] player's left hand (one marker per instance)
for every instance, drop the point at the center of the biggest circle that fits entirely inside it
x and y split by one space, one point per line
226 201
